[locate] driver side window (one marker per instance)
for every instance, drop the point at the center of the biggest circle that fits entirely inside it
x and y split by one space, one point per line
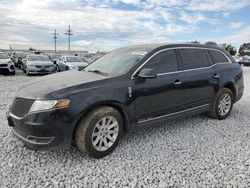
163 62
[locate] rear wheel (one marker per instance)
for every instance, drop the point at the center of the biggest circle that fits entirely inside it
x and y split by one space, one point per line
222 104
67 68
99 132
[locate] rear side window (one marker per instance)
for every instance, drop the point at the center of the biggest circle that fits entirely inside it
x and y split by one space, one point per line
194 58
218 57
163 62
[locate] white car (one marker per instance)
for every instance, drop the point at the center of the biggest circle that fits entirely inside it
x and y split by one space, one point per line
38 64
6 65
70 63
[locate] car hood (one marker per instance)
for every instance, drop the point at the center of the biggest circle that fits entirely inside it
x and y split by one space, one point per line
4 60
78 64
39 63
58 85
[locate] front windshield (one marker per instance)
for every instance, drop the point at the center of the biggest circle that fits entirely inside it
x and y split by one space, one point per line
74 59
117 62
38 58
4 56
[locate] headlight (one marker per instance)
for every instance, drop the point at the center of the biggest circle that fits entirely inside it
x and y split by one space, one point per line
31 65
9 62
41 105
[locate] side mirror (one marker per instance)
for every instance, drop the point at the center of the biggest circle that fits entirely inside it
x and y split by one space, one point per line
147 73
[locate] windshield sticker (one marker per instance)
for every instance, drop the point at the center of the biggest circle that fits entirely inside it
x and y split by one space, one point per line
139 53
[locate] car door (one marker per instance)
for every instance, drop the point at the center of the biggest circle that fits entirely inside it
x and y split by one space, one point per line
157 97
201 77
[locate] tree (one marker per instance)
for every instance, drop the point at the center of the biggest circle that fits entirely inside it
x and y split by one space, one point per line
211 43
32 49
231 49
195 42
244 49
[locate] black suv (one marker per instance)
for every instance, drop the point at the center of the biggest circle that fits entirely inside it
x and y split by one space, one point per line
127 88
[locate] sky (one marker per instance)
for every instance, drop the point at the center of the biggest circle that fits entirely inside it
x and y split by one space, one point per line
109 24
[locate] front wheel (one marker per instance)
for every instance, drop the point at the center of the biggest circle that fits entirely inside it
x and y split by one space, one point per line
222 104
99 132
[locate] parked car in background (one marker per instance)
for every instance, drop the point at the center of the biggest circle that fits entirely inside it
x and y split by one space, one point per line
237 58
6 64
70 63
20 58
54 57
245 61
38 64
127 88
14 58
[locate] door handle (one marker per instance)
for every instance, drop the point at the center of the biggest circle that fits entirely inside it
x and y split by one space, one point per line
177 82
216 76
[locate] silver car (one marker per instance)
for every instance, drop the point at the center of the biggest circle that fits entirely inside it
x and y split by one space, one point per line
70 63
38 64
245 61
6 64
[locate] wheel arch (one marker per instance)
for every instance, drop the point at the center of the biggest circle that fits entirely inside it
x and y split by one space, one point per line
112 104
230 86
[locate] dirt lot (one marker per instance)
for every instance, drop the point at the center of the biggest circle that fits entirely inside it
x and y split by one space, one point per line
192 152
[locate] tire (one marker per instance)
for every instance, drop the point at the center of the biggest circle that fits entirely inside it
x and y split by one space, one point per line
13 73
67 68
27 73
90 140
217 112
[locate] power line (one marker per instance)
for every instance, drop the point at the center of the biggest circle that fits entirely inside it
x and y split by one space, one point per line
55 37
69 33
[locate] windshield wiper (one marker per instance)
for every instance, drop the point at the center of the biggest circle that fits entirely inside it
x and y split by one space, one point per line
99 72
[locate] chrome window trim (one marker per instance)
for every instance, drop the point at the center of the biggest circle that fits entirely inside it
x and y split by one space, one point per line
174 113
178 48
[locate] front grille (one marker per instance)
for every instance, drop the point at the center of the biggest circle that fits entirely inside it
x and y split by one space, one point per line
4 70
3 65
38 66
21 107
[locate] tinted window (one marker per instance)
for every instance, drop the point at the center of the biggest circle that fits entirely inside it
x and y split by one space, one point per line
218 57
165 61
194 58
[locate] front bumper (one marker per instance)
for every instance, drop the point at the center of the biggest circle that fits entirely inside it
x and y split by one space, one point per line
7 69
41 70
50 129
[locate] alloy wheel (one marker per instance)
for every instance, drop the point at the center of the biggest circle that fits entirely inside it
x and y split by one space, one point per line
105 133
224 105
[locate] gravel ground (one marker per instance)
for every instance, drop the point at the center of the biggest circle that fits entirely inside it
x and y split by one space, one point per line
192 152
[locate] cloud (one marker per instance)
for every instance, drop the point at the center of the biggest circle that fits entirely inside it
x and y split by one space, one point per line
217 5
236 25
197 18
110 23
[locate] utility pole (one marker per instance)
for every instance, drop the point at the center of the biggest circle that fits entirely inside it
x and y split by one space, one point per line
69 33
55 37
